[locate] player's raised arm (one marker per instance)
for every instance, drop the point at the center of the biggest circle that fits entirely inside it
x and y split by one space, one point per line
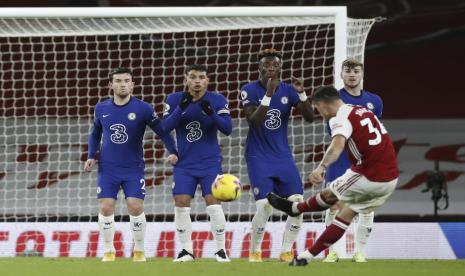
304 106
173 111
221 117
256 115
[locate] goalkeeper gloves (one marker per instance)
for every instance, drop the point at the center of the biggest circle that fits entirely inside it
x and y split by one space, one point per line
185 101
206 107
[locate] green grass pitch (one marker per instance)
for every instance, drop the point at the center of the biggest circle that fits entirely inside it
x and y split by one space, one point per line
238 267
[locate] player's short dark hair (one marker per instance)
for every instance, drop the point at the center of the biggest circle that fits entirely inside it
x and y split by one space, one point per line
197 67
271 52
326 94
120 70
351 63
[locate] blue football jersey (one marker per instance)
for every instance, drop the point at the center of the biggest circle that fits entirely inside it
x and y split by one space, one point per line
269 141
369 100
196 132
121 129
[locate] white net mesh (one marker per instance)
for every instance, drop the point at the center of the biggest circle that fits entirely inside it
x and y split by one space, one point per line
54 71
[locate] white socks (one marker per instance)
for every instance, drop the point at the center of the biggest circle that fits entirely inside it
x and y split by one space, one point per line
329 218
263 213
292 227
138 224
218 223
107 230
365 224
183 223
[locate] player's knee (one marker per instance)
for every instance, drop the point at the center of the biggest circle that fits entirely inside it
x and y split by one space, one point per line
182 201
135 208
107 206
264 206
329 197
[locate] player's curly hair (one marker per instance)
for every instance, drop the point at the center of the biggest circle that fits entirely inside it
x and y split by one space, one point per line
270 52
351 63
119 70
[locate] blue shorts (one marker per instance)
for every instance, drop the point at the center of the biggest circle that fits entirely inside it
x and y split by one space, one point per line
186 180
281 177
109 184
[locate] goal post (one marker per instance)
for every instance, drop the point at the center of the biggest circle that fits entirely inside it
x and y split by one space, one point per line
54 66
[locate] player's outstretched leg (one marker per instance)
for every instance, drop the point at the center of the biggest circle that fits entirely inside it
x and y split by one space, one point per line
218 223
259 220
183 223
363 232
330 215
332 233
291 230
282 204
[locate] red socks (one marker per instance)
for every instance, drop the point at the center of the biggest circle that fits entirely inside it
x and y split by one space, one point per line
313 204
331 235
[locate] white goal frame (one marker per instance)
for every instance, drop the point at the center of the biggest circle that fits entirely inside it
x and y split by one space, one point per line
339 13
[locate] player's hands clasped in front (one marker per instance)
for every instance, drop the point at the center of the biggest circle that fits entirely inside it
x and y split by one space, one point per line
172 159
185 101
271 86
298 84
89 164
206 107
317 176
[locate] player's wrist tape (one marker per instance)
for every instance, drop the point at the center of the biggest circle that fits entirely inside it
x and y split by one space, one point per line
303 96
266 101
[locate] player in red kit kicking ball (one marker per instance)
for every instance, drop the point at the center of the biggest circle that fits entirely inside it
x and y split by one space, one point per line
365 186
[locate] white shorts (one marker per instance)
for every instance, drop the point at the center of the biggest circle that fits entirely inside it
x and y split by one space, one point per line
360 194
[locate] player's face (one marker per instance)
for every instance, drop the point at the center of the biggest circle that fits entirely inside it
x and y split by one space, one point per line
197 81
352 76
122 85
270 67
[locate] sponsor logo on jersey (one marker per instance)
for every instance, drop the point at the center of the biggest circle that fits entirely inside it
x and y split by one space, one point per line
132 116
105 115
284 100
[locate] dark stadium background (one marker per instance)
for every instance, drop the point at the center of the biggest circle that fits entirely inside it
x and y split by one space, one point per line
415 58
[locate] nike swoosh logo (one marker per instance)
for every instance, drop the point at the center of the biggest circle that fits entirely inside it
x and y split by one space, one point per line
105 115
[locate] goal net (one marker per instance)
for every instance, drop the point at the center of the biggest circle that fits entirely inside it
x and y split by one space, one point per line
54 70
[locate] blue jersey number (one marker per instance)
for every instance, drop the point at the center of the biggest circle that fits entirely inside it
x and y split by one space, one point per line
119 135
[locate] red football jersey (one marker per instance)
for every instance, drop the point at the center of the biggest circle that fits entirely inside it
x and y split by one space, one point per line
369 145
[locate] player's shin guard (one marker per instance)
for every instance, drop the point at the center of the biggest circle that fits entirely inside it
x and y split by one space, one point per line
365 224
183 223
107 230
331 235
138 224
292 228
218 223
263 213
329 218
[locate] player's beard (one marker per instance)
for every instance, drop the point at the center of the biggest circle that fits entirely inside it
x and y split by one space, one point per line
123 94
